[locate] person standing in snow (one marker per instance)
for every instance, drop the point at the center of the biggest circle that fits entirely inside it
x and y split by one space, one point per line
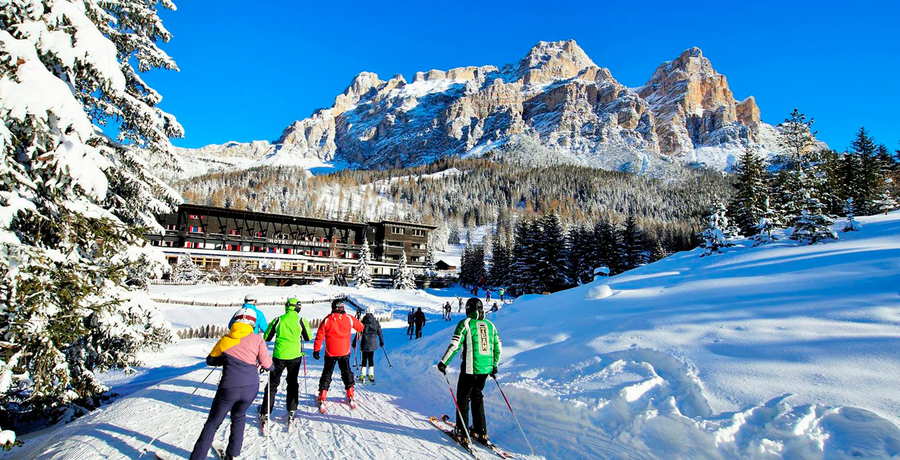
335 331
487 297
370 341
448 310
459 300
239 353
411 321
420 322
481 348
250 302
501 292
289 331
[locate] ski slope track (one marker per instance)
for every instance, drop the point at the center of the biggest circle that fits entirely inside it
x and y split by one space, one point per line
770 352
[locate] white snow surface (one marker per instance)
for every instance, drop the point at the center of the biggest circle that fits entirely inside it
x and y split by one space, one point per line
777 351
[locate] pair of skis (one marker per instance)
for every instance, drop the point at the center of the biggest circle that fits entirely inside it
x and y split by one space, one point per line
447 427
323 407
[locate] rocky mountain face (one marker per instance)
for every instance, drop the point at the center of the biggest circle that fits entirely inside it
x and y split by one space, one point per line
556 100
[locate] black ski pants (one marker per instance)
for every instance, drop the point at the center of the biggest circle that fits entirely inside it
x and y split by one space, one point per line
343 363
470 388
368 359
293 383
419 330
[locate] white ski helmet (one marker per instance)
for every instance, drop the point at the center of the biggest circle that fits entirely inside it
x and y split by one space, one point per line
250 298
246 316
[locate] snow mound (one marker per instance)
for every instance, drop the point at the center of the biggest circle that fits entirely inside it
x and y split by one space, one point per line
599 292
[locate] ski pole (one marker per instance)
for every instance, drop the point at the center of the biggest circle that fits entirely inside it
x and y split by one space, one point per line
386 356
513 414
144 450
458 412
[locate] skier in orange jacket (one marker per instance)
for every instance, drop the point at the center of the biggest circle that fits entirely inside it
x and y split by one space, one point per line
336 331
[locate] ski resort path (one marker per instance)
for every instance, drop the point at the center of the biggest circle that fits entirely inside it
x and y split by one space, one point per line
381 426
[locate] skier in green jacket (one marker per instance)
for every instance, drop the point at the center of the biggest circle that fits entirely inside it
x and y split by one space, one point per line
480 343
291 331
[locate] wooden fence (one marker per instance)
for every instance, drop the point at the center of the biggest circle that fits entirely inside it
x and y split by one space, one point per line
214 331
200 303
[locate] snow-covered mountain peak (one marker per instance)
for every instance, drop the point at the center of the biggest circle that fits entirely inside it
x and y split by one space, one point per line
552 61
555 97
694 107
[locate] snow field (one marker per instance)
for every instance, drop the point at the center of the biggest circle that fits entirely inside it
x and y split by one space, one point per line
778 351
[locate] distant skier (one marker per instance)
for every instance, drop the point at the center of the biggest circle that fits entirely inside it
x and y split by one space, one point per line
501 291
494 308
459 300
411 321
368 345
335 330
447 310
420 322
250 302
480 343
289 331
239 352
487 297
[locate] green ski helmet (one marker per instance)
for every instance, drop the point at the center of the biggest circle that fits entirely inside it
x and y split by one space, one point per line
292 304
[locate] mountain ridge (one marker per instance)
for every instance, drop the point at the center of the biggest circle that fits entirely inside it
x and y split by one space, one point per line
555 97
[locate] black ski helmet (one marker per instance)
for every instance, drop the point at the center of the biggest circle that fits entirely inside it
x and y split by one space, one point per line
337 305
474 304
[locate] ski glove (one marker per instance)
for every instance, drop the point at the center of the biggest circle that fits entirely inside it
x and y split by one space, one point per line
443 368
316 355
494 372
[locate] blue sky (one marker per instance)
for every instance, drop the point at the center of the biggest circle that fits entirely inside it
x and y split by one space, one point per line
248 69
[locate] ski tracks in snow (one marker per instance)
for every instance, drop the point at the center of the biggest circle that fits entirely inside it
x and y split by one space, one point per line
377 429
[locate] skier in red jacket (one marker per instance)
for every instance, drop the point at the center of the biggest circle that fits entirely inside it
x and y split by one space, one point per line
336 330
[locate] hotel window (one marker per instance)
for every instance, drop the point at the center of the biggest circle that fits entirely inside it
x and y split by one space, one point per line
418 232
234 232
190 245
396 244
397 231
195 229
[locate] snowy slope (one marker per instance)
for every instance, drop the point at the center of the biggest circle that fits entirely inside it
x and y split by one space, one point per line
780 351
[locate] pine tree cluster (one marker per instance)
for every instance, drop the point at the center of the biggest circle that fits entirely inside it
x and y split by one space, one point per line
542 256
806 186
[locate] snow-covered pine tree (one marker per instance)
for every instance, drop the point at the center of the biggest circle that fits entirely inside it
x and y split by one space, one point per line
580 255
813 225
765 227
658 252
499 271
429 261
186 271
75 203
849 210
797 138
632 244
607 247
884 203
550 264
523 255
403 277
465 266
751 192
239 274
479 271
714 235
362 276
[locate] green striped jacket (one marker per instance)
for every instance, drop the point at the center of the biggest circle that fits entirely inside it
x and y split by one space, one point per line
480 343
